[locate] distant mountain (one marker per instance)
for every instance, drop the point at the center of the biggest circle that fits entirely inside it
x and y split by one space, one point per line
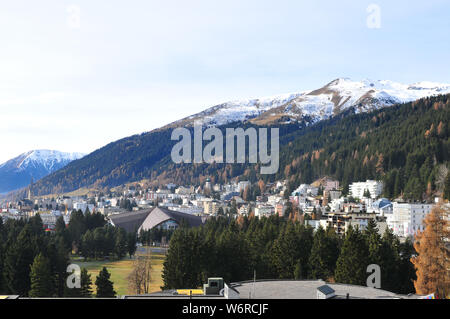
18 172
147 155
313 106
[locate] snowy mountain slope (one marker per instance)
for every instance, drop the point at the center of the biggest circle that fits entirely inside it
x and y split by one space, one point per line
335 97
19 171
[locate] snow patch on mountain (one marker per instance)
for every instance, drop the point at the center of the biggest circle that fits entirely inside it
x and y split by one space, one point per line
18 172
335 97
48 159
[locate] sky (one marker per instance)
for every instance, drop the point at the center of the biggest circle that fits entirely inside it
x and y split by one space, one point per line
77 75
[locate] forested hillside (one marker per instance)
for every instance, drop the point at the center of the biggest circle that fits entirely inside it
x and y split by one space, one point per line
405 145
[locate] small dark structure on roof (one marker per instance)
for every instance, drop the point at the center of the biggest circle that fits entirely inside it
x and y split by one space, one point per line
325 292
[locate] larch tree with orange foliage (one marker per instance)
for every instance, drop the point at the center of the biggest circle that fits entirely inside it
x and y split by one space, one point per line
432 262
262 186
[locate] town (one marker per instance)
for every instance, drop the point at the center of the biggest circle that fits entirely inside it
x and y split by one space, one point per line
320 204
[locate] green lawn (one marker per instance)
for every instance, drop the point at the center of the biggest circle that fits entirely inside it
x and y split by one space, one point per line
120 270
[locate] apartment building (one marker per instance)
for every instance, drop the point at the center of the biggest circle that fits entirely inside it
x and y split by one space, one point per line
359 188
407 218
341 221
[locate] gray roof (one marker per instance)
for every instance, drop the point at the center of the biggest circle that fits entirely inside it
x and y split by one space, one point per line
129 221
307 289
160 215
150 218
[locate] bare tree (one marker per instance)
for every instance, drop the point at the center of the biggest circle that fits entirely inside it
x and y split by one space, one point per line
139 279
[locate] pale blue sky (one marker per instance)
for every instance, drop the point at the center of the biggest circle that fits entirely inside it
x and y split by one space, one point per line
132 66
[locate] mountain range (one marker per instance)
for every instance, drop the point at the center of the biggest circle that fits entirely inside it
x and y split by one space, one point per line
147 155
315 105
33 165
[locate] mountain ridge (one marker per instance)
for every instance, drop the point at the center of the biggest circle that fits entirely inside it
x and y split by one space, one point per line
315 105
32 165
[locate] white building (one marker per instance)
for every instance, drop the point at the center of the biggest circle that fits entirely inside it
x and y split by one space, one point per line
83 207
382 206
114 202
244 210
211 207
243 185
274 199
305 190
331 185
341 221
406 219
337 204
315 224
264 210
162 193
334 194
185 190
188 209
358 189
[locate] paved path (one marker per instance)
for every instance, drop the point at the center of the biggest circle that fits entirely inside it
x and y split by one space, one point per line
156 250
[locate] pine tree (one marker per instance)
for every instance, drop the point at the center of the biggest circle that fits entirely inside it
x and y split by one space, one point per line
120 246
19 256
176 262
234 256
85 289
60 226
76 228
389 261
432 262
105 287
353 260
59 260
284 255
61 231
131 243
42 282
323 256
446 194
87 245
373 240
86 284
2 282
398 184
406 272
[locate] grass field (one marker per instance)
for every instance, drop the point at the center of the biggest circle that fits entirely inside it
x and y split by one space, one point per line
120 270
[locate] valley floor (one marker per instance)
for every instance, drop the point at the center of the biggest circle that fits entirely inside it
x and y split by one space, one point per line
120 270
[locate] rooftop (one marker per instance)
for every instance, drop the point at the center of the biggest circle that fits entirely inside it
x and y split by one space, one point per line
307 289
149 218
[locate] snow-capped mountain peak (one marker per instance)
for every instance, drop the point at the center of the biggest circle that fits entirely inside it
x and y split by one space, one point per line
315 105
46 158
19 171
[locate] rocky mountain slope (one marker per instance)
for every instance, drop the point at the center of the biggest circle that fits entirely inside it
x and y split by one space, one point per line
19 171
